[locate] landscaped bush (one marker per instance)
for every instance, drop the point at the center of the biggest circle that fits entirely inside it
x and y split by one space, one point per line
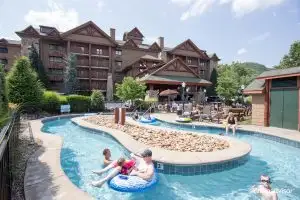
63 100
79 103
97 101
23 86
51 102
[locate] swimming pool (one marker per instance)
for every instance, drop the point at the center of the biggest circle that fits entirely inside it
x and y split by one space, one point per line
82 153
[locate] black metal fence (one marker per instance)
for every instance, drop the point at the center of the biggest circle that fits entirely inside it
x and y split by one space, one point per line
8 142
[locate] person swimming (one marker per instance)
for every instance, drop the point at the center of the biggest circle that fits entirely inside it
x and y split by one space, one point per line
107 157
264 189
121 166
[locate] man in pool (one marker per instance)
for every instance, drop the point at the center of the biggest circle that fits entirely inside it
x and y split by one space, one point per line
107 157
265 190
144 168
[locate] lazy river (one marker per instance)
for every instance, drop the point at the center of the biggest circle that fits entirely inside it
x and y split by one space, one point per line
82 153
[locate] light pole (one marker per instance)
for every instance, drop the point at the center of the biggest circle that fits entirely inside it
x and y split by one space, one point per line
183 85
204 96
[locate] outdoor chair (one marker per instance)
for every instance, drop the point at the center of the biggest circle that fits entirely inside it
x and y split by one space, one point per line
206 114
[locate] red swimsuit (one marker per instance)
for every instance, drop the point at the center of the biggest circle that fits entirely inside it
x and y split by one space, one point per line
126 167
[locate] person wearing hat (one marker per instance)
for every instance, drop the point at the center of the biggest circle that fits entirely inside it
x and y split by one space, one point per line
265 190
144 167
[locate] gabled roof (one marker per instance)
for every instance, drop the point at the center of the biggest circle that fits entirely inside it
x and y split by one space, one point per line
176 80
130 43
3 41
171 62
149 57
145 57
135 29
28 30
255 87
69 32
214 55
199 51
155 46
280 73
12 42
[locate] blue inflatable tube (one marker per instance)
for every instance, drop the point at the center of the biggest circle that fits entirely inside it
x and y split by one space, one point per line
151 120
123 183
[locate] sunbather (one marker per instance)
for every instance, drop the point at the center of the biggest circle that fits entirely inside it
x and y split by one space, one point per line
231 122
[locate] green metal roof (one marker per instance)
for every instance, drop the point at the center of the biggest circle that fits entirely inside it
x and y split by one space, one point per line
174 79
280 72
255 85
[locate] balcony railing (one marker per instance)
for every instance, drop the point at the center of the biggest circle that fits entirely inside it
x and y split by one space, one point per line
56 65
56 77
104 64
57 53
80 50
83 62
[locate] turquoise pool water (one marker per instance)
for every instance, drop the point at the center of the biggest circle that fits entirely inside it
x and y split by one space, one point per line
82 153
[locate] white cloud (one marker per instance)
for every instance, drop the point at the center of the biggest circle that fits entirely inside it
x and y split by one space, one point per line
239 7
242 7
242 51
56 15
197 8
181 2
260 37
100 5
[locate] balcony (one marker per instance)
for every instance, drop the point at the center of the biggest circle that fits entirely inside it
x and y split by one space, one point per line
56 77
96 63
57 53
80 50
99 85
82 62
56 65
99 75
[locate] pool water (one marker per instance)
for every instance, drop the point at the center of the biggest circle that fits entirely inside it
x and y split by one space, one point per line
82 153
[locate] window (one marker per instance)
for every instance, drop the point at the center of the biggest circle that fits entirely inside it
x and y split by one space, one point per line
118 52
99 51
119 64
55 59
55 47
189 61
3 61
82 49
3 50
202 72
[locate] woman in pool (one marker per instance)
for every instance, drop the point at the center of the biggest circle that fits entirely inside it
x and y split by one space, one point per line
121 166
107 157
265 190
231 122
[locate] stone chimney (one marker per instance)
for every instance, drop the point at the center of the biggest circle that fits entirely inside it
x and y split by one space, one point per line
113 33
161 42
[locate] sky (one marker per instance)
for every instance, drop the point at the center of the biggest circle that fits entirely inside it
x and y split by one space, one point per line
236 30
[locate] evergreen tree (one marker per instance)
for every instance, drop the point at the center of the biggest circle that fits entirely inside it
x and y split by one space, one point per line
23 84
211 90
97 101
37 65
71 81
3 92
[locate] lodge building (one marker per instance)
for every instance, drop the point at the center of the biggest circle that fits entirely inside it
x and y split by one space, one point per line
102 60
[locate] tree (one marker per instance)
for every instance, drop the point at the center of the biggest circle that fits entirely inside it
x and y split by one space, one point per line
211 90
23 85
37 65
130 89
71 81
3 92
292 59
231 78
97 101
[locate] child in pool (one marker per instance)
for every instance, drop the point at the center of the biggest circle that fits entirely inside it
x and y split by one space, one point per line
107 157
121 166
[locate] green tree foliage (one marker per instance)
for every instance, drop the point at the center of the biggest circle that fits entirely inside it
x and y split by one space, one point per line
37 65
231 78
97 101
79 103
292 59
51 102
130 89
23 85
211 91
71 81
3 92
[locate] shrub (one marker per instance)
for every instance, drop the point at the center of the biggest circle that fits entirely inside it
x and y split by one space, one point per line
97 101
63 100
51 102
3 92
22 84
79 103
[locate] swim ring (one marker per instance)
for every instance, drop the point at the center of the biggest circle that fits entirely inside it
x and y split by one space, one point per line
124 183
184 120
151 120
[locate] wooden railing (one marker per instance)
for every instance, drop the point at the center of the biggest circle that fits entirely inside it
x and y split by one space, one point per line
8 143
